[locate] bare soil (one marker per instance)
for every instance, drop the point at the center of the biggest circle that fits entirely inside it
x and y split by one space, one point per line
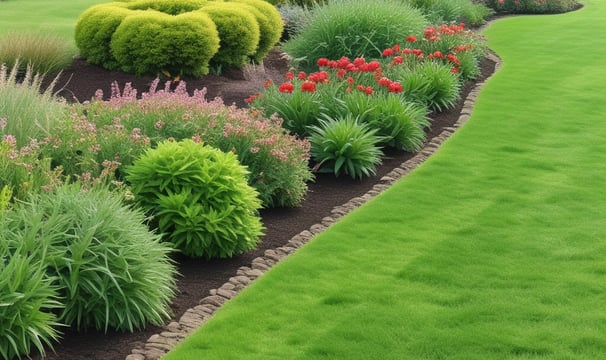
81 81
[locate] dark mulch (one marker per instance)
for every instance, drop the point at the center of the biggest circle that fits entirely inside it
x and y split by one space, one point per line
80 82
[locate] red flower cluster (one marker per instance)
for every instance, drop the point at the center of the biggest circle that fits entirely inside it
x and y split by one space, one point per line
286 87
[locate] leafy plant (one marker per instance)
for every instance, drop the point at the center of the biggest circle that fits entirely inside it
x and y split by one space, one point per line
439 11
353 29
345 146
111 271
239 33
154 42
28 300
199 198
444 86
42 53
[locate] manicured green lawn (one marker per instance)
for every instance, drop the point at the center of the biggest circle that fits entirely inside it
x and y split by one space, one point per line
47 16
493 249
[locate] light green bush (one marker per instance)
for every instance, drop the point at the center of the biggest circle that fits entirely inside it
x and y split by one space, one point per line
199 198
270 24
354 29
111 271
94 30
171 7
28 299
153 42
239 33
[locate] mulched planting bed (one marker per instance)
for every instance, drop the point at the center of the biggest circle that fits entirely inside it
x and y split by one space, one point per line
198 277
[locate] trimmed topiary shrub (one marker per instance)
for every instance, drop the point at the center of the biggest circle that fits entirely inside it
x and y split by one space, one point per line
94 31
170 7
270 24
111 271
239 33
199 198
152 42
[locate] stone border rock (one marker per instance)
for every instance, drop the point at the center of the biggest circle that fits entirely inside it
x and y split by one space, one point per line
159 344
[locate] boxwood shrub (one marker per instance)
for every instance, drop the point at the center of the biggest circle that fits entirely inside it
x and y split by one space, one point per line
239 33
152 42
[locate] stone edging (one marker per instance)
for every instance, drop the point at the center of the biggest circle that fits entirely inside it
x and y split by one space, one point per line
159 344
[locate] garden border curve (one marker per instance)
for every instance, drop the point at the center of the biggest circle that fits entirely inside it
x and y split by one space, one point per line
159 344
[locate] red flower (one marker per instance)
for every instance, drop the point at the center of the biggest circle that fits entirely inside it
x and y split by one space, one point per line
289 76
252 98
341 73
286 87
348 90
388 52
437 54
322 62
368 90
333 64
454 70
302 75
397 60
343 62
374 65
418 52
361 87
407 51
350 80
359 61
411 39
308 86
395 87
268 83
453 59
396 48
384 82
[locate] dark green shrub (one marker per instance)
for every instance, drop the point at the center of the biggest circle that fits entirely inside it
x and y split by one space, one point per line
270 24
111 271
199 198
345 146
94 31
153 42
353 29
28 300
239 33
531 6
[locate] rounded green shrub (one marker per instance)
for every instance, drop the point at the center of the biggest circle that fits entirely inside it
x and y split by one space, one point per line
353 29
171 7
94 30
199 198
28 300
152 42
239 33
111 271
270 24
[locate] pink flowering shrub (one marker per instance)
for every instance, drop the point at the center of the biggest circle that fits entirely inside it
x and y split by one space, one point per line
277 161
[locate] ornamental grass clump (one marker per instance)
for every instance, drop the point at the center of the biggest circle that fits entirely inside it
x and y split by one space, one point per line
42 53
353 29
277 162
29 299
199 199
345 145
111 272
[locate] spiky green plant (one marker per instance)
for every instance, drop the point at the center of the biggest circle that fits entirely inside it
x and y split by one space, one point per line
344 145
199 198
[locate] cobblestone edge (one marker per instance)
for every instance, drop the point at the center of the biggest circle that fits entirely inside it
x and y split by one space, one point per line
159 344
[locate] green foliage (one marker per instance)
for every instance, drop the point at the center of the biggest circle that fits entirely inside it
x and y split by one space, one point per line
277 161
28 299
353 29
153 42
171 7
94 30
270 24
345 146
239 33
444 86
294 18
199 198
531 6
399 123
43 53
112 272
441 11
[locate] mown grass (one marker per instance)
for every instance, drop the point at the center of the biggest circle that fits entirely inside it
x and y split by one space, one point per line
42 16
493 249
